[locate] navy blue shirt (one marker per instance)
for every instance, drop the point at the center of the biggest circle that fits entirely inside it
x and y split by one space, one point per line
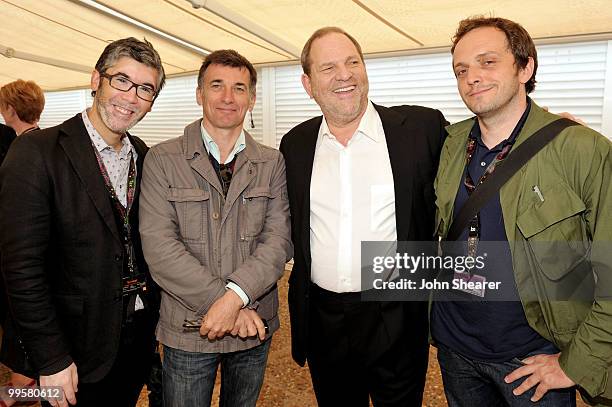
487 330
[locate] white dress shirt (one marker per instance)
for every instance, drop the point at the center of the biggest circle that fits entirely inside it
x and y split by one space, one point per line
351 200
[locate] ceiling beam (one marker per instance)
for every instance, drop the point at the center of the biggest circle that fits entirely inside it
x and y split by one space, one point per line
232 31
118 15
12 53
387 23
249 26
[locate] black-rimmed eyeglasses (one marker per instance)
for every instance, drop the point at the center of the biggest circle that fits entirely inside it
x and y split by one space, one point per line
120 82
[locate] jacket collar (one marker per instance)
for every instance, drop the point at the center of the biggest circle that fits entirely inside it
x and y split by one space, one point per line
534 121
397 133
75 142
197 156
193 144
452 163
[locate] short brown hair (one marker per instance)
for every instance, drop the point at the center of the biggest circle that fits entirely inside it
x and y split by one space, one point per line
519 41
26 97
321 32
140 51
229 57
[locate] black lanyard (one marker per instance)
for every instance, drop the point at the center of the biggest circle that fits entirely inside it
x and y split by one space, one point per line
468 182
131 187
124 212
474 225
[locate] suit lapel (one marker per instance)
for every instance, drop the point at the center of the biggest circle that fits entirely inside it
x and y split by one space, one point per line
197 155
141 149
75 142
303 157
402 166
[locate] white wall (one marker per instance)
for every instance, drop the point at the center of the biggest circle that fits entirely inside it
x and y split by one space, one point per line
573 77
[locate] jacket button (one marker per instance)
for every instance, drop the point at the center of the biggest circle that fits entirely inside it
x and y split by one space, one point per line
117 257
215 215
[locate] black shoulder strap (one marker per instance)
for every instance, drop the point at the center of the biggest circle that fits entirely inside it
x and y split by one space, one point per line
504 171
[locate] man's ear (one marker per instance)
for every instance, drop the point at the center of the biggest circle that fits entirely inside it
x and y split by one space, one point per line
526 72
11 111
306 84
199 98
252 100
95 80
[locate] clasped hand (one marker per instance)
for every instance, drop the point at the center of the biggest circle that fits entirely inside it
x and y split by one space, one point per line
226 316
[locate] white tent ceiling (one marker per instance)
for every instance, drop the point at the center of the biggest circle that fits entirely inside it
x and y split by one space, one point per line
57 42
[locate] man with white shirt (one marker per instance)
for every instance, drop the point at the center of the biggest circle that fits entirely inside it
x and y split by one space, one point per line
78 287
214 221
362 172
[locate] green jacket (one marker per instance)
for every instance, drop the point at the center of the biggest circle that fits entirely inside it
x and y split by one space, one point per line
556 244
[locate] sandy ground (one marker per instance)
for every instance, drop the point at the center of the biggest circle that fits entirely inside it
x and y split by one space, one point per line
288 385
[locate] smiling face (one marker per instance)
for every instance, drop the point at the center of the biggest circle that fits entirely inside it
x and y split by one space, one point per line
488 79
225 98
338 80
114 111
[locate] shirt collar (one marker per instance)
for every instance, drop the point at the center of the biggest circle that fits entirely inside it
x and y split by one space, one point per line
510 140
213 148
368 125
99 142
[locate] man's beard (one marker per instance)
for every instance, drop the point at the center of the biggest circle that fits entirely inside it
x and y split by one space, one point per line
105 107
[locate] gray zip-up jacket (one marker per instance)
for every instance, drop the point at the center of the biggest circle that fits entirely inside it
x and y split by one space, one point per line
195 241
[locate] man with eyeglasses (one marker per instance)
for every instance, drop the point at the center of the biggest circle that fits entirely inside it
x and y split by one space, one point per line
82 299
214 221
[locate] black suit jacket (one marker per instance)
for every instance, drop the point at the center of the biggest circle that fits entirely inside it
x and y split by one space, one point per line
414 137
7 135
62 251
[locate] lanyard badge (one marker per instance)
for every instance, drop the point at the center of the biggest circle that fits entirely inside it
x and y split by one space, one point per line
134 281
134 284
468 281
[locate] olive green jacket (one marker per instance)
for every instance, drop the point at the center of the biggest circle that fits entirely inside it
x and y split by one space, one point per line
558 244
